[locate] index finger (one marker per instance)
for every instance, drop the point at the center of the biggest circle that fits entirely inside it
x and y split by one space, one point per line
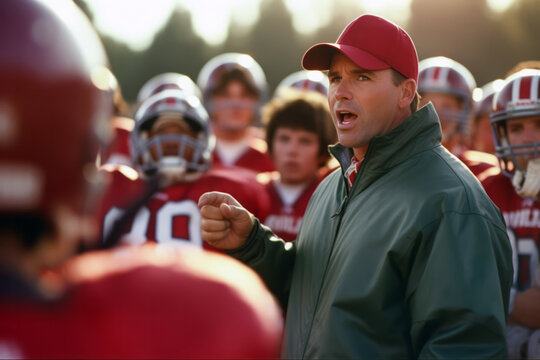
216 198
211 212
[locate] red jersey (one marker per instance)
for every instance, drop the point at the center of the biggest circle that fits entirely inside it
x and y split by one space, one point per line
480 163
522 218
284 219
141 302
172 214
251 159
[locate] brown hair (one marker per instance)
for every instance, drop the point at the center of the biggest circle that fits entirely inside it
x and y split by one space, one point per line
305 110
238 75
397 79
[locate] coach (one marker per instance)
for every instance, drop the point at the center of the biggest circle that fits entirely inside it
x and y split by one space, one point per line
401 254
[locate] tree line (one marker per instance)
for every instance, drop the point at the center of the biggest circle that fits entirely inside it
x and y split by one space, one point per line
487 43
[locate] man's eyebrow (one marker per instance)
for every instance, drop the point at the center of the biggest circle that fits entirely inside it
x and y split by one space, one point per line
359 71
363 71
331 73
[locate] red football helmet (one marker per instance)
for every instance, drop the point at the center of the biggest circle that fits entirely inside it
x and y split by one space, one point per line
220 65
304 80
193 153
446 76
166 81
519 97
55 104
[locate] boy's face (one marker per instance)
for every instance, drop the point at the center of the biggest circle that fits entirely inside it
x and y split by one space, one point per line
234 108
448 109
522 131
172 126
295 153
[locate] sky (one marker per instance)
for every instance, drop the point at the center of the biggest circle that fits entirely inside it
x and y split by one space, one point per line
136 21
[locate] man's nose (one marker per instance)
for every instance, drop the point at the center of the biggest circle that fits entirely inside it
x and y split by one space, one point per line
342 90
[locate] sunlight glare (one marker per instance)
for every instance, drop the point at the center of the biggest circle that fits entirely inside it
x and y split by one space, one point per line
499 5
310 15
396 10
211 18
133 21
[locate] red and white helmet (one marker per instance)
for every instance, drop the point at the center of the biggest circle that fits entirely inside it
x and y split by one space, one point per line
446 76
146 151
55 104
304 80
166 81
484 105
519 97
211 73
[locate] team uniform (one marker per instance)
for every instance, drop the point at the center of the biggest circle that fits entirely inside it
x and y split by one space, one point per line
172 213
480 163
285 218
252 159
515 129
522 218
141 302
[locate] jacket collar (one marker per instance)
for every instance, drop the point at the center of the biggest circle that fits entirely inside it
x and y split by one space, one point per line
419 132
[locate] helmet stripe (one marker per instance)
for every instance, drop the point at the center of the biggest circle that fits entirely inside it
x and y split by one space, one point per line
534 87
516 86
525 88
443 76
435 72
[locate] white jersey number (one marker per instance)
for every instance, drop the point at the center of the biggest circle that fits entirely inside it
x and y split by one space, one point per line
164 223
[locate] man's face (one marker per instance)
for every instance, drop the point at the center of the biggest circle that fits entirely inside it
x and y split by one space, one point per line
295 153
522 131
363 103
234 108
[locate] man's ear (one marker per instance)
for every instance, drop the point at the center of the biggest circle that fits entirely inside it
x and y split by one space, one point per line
406 96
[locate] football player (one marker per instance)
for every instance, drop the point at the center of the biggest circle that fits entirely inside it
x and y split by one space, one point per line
299 129
172 139
234 89
516 129
448 85
129 303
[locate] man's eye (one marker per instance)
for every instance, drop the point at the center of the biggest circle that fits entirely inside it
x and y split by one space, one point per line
363 77
334 79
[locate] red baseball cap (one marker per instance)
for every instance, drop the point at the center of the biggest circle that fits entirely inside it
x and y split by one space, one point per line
372 43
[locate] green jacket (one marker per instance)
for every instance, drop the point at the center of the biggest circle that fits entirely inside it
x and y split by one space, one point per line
412 262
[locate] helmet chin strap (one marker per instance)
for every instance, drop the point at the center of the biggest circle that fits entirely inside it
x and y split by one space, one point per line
527 184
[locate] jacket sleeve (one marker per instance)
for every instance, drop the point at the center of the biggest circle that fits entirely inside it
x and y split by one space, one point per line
271 257
458 289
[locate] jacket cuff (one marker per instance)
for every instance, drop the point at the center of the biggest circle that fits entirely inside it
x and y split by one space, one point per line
249 249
